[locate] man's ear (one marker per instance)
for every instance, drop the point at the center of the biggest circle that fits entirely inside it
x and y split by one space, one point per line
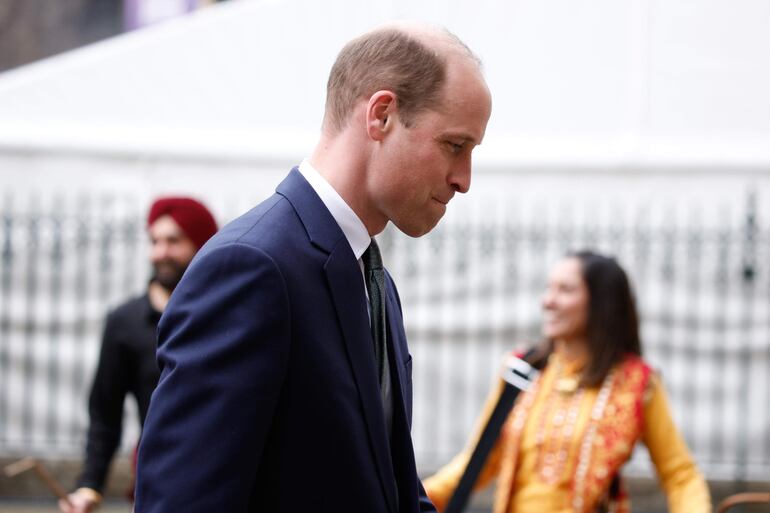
380 114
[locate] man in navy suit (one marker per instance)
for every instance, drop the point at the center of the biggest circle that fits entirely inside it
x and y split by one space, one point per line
271 398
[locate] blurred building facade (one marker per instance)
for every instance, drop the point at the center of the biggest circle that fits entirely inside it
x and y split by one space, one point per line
34 29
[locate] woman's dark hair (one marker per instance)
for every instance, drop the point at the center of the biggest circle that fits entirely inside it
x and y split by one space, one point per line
613 324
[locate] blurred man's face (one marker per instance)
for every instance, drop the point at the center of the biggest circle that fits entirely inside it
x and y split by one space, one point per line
170 251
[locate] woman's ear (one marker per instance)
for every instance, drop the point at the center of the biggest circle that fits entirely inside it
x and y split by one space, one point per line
380 114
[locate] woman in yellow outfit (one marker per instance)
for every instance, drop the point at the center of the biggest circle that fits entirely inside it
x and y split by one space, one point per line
563 445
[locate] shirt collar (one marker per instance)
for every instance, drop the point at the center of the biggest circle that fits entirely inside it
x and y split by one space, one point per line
350 224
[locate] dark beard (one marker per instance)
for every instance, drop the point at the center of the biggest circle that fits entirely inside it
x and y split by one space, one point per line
169 274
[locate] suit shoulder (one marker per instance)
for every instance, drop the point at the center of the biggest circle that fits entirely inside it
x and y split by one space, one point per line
269 221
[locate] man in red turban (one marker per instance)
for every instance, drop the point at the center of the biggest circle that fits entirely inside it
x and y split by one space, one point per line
178 227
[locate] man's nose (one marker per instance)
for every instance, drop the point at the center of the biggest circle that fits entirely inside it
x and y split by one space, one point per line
460 179
159 251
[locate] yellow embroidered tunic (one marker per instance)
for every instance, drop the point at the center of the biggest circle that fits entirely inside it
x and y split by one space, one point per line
562 444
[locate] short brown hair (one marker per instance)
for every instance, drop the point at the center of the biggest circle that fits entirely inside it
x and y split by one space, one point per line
385 59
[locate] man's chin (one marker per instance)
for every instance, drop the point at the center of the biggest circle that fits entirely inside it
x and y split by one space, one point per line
414 229
168 281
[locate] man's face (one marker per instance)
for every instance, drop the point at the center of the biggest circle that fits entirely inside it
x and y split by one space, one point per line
417 170
170 251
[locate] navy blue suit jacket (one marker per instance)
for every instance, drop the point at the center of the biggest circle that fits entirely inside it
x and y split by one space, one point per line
268 399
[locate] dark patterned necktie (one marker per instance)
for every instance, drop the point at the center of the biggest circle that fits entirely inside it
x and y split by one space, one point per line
375 286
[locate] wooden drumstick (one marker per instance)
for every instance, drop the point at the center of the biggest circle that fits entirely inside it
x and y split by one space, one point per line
25 464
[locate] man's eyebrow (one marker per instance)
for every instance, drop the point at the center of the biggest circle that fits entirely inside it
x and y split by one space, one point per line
465 136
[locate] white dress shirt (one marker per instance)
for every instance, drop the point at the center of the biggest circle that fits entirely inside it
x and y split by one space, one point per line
350 224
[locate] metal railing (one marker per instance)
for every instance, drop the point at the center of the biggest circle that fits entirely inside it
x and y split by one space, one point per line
470 292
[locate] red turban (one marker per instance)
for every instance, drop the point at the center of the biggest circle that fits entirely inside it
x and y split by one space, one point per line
192 217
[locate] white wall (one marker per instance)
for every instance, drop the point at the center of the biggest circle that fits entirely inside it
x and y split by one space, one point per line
581 83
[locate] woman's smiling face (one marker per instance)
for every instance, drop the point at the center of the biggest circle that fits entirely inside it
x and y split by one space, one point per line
566 302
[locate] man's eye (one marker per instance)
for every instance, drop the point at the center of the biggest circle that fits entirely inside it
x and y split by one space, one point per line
456 148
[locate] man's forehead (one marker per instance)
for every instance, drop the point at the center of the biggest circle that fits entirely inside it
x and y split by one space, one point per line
166 226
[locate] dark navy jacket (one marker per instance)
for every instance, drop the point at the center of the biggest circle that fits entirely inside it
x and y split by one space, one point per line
268 399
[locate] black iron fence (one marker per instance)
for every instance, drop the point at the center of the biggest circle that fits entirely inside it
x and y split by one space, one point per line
64 263
470 292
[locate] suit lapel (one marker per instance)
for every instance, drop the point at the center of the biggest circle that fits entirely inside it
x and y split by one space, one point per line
346 284
396 337
402 441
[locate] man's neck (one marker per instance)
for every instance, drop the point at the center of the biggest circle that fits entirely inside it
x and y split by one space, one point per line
159 296
346 172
